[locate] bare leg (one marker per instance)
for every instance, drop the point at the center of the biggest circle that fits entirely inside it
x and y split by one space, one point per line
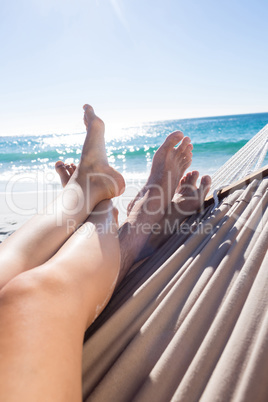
45 311
149 207
93 180
187 200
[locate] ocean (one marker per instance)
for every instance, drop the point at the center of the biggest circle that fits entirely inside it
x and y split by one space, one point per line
131 149
28 181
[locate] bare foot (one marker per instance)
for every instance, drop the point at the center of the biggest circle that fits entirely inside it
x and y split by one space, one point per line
188 198
168 167
65 171
94 162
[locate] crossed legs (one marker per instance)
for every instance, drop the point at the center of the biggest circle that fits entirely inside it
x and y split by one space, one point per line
168 196
44 311
93 181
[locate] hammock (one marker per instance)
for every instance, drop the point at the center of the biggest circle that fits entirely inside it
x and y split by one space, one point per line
247 160
190 323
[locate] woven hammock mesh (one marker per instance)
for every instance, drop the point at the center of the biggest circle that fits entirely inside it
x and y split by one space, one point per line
247 160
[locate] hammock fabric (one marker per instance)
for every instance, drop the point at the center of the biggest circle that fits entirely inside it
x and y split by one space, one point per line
191 322
248 159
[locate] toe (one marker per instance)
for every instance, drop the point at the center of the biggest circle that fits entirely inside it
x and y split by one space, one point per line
87 108
192 177
89 116
173 139
59 164
62 172
185 145
206 180
186 156
184 150
183 180
73 166
195 173
188 176
190 147
205 185
181 184
69 169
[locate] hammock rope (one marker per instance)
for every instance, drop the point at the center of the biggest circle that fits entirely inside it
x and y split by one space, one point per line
247 160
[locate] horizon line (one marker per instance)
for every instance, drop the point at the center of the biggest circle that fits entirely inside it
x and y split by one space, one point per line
132 124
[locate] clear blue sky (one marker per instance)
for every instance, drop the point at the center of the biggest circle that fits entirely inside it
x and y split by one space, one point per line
131 59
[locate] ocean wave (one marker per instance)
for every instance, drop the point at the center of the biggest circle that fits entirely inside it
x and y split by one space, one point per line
127 152
215 140
219 146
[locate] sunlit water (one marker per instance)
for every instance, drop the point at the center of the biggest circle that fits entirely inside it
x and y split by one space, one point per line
130 150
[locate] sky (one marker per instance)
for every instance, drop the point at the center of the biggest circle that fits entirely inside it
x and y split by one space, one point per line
132 60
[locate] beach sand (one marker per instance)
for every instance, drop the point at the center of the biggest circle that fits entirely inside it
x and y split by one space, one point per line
16 207
19 203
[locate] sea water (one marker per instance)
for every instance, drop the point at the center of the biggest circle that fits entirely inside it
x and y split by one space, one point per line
28 181
131 149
